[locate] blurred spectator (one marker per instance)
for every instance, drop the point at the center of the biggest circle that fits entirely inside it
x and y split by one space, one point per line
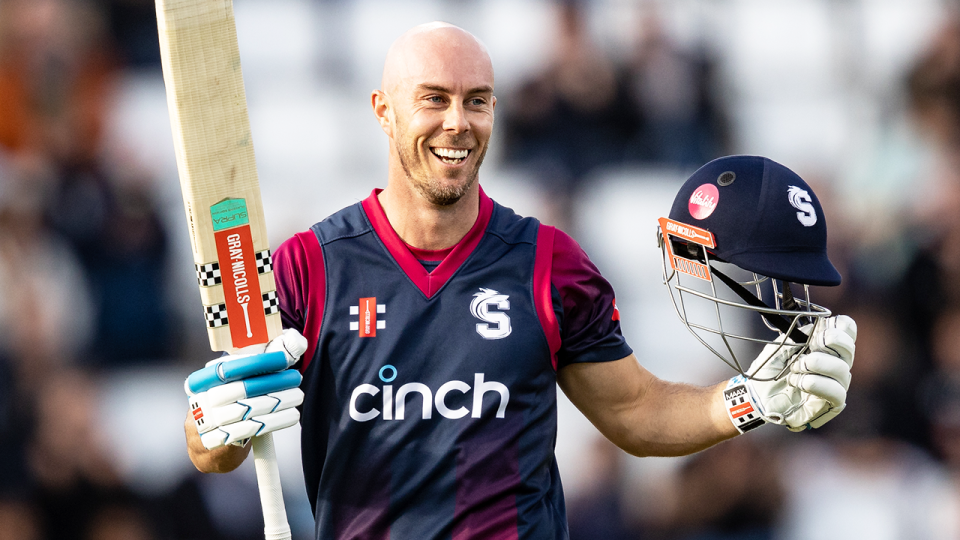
934 88
933 84
119 522
678 97
15 424
115 228
934 91
927 295
572 117
941 389
75 480
184 513
55 78
900 205
18 521
596 512
884 404
733 491
584 111
45 310
871 459
132 25
942 398
873 488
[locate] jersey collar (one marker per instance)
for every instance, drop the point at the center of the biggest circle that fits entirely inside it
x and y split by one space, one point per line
428 283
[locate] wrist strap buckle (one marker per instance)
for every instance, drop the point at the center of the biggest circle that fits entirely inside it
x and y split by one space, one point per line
742 409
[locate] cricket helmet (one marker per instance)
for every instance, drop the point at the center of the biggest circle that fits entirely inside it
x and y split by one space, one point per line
741 230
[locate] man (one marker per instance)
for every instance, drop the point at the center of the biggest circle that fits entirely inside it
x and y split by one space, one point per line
438 325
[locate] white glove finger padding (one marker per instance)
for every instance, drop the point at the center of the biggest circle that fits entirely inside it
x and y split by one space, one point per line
846 324
819 363
836 336
292 343
252 387
835 342
769 363
827 416
244 409
819 386
813 412
239 433
221 404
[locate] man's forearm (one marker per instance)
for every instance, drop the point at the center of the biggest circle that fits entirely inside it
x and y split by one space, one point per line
678 419
220 460
644 415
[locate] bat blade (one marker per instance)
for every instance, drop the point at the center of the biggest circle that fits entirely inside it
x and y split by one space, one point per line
221 195
218 174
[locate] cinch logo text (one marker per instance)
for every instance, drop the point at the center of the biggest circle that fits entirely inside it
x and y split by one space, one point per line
394 401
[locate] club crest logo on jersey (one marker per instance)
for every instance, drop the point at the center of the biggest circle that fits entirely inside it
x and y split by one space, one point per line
369 323
496 324
801 200
703 201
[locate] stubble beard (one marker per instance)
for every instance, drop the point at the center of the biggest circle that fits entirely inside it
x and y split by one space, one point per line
435 190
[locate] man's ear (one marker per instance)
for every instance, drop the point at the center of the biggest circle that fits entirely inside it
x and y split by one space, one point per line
382 109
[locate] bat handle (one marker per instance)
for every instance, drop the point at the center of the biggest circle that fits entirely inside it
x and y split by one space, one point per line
275 526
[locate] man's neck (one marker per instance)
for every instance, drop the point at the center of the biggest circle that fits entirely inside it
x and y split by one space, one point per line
424 225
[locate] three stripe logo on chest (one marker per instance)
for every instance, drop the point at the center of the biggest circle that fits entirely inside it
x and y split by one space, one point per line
369 322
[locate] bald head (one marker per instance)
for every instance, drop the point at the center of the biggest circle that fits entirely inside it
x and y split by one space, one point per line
435 48
436 105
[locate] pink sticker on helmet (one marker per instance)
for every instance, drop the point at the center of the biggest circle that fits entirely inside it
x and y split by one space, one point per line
703 201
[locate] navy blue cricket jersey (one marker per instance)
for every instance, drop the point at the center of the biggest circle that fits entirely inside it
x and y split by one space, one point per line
430 396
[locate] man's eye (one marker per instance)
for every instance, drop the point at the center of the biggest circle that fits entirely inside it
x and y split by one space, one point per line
477 102
435 99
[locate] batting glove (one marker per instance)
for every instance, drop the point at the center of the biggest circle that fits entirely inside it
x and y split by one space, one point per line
241 396
808 393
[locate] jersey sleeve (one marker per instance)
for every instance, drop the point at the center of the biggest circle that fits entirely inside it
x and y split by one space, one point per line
299 274
586 308
288 273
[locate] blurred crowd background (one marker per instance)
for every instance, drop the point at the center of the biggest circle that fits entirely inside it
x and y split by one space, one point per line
605 106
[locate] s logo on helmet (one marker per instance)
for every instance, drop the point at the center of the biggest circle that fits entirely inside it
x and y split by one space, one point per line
800 199
496 324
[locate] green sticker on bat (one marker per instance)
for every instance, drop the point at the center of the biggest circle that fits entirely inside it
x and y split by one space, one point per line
229 213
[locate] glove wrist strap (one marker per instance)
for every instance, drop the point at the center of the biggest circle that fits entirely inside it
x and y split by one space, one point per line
742 409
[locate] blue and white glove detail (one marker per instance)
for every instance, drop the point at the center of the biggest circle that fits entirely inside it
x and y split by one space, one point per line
241 396
234 368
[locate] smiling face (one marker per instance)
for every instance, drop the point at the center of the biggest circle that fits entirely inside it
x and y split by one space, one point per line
437 108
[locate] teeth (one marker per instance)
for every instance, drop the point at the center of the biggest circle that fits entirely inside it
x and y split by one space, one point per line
451 153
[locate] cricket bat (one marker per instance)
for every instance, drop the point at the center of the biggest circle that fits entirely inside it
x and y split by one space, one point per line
221 196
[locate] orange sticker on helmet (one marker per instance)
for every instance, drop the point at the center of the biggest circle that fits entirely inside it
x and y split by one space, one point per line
671 228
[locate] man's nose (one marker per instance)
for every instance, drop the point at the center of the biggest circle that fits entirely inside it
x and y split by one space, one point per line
455 120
